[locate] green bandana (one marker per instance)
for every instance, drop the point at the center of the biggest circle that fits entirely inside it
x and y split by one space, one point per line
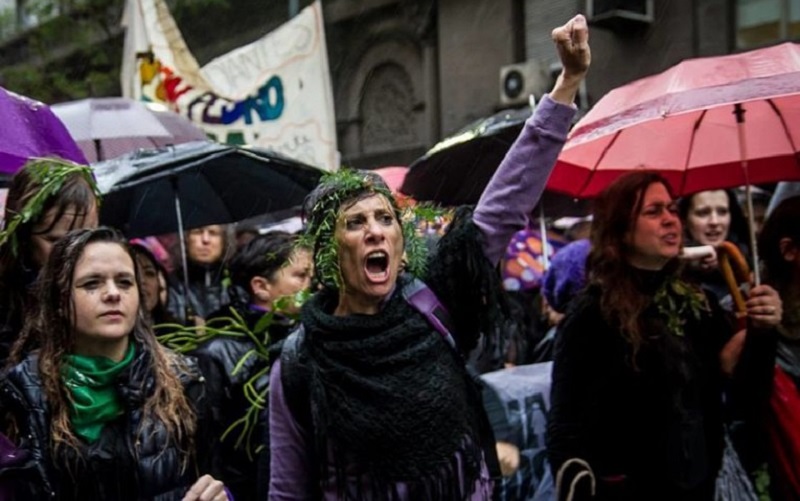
95 402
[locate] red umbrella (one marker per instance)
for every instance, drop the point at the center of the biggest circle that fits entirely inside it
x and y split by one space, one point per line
683 123
706 123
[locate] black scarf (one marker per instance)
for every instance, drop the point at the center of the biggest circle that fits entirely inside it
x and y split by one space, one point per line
391 397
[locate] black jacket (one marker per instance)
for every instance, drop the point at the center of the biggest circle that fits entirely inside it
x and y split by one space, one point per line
207 292
654 431
218 358
108 468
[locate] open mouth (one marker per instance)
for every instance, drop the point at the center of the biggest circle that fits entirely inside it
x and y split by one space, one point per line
377 266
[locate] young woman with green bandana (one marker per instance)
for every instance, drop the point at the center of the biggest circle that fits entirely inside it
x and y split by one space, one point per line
371 401
100 410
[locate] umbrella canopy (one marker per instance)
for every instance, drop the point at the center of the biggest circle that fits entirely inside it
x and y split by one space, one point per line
698 123
209 183
29 129
457 169
108 127
393 176
526 259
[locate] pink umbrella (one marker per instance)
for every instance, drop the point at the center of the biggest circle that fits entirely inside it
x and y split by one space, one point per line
698 123
707 123
393 176
108 127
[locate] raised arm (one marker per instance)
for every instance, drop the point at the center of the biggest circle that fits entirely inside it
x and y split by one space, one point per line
518 184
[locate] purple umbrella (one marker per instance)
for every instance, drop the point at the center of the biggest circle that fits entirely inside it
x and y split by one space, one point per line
29 129
108 127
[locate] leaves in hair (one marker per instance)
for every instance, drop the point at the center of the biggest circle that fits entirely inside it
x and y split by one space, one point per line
49 174
344 185
186 339
676 300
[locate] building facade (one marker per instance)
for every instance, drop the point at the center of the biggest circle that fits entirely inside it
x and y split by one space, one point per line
405 73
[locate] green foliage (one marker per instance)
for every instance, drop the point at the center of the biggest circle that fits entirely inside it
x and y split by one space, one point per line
73 53
676 300
186 339
761 483
49 174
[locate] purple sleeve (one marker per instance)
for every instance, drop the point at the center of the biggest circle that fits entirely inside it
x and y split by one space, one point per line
290 463
518 184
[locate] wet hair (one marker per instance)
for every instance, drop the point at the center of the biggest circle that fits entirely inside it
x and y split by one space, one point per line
16 265
50 325
781 223
737 231
615 213
263 256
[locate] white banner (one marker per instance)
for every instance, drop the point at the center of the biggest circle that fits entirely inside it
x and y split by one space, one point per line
273 93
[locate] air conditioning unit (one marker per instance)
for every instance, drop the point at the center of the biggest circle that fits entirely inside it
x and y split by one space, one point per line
518 81
620 13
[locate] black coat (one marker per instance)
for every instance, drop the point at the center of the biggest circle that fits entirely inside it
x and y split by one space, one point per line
218 359
108 468
654 431
207 292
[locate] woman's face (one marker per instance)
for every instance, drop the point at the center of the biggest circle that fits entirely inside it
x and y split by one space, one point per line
105 300
370 253
656 234
48 231
709 217
293 277
148 276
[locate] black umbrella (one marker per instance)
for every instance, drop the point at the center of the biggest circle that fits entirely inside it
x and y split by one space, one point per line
457 169
151 192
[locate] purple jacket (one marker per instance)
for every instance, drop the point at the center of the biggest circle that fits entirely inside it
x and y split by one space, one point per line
503 209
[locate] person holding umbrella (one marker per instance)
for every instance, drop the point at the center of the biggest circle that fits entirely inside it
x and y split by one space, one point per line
641 360
101 410
372 398
47 198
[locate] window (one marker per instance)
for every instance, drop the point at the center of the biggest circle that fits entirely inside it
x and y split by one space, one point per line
762 22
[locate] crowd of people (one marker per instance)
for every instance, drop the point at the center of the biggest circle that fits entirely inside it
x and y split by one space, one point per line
341 362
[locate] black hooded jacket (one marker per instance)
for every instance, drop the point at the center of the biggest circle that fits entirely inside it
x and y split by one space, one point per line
132 460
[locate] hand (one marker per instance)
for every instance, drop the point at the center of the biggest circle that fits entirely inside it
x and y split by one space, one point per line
508 457
764 307
709 263
207 489
572 44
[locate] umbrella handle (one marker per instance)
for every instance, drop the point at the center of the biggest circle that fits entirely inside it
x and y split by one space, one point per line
735 270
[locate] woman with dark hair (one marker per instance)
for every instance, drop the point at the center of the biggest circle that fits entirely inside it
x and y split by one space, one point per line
46 199
640 361
100 410
152 275
710 218
371 398
269 271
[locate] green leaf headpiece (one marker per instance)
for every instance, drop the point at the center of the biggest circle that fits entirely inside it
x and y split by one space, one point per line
321 212
49 176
